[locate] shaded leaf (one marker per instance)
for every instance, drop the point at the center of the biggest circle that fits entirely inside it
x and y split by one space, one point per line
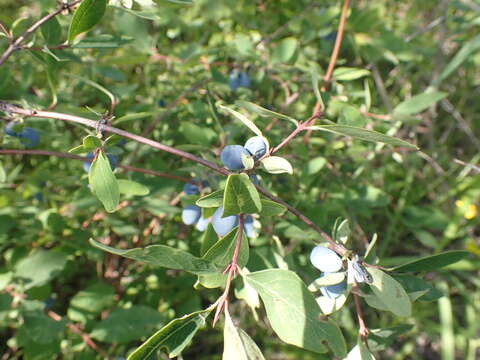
103 182
173 337
261 111
240 196
248 123
163 256
418 103
433 262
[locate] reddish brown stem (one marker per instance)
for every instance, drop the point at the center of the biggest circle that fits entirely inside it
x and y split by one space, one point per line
15 45
76 157
363 329
75 329
232 270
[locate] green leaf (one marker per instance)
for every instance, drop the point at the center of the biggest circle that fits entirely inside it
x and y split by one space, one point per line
349 73
460 57
222 251
240 196
284 50
88 303
433 262
237 344
40 267
173 337
77 150
91 143
277 165
132 188
103 182
381 339
391 292
125 325
342 233
271 208
418 103
209 238
363 134
293 312
326 280
163 256
214 199
261 111
51 31
3 174
87 15
248 123
360 352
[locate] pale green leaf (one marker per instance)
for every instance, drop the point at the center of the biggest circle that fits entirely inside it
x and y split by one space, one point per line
248 123
277 165
363 134
222 251
349 73
212 200
293 312
261 111
419 103
103 182
391 292
271 208
129 187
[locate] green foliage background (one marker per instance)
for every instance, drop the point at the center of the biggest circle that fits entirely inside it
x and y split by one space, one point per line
419 203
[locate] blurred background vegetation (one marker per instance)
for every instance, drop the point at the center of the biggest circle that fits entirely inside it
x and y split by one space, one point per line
161 53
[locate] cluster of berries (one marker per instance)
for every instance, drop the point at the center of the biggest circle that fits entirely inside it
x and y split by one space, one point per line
192 215
234 157
28 136
328 262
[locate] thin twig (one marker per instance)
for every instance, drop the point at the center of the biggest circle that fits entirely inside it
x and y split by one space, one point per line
363 329
468 165
75 329
82 158
15 45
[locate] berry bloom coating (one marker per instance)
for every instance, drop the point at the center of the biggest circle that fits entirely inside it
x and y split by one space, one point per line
231 157
191 214
325 260
256 146
30 137
223 225
8 129
244 79
333 291
248 226
202 224
190 189
112 159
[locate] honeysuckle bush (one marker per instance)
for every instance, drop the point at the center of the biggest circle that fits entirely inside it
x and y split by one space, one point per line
349 233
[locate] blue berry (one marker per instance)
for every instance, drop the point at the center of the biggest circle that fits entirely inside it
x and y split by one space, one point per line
190 189
202 224
248 226
30 137
256 146
223 225
333 291
231 157
244 79
161 103
233 80
325 260
191 214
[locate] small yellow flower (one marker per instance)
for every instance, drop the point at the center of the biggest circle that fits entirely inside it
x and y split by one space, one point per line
470 212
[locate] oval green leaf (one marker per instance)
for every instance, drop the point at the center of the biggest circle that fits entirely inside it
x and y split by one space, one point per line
87 15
